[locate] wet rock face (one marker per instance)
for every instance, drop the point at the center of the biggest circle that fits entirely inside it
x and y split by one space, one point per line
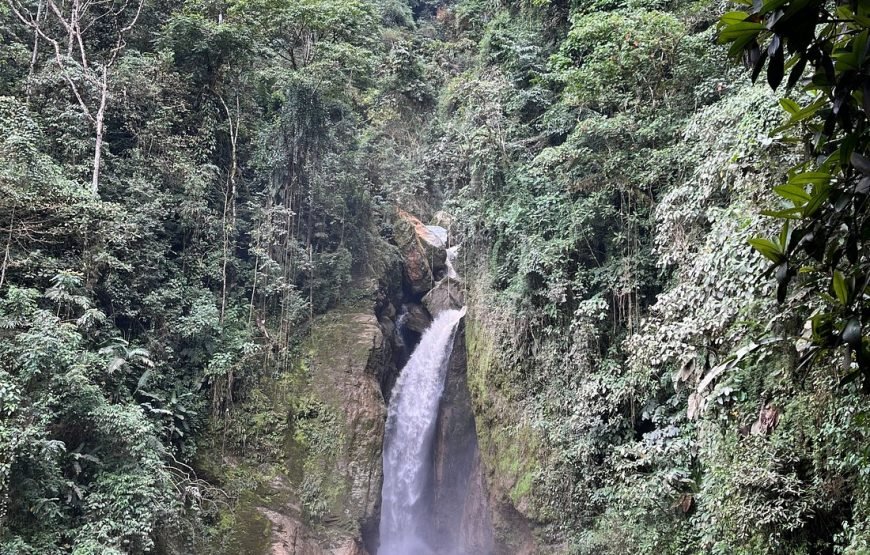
476 532
509 449
416 318
446 295
348 349
459 501
422 251
460 504
422 262
401 331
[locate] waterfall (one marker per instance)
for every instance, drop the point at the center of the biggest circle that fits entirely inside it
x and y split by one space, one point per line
411 422
452 252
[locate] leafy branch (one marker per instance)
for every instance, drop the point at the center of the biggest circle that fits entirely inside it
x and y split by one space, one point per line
824 226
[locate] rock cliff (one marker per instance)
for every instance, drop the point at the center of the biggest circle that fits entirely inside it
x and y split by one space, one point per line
323 498
461 507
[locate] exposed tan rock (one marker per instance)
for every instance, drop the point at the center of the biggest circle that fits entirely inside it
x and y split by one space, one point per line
288 535
422 251
350 548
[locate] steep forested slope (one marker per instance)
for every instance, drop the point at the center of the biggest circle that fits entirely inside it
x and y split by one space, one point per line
250 153
187 188
608 165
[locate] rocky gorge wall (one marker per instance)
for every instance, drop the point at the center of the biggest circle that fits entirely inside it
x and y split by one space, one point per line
460 506
321 495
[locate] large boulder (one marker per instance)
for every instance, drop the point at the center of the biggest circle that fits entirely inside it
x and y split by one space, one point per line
423 252
289 536
416 317
447 294
350 548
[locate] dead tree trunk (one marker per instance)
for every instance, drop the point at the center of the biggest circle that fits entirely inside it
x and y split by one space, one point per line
70 17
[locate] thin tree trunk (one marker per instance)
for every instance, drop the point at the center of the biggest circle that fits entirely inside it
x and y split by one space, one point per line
226 240
254 286
311 292
98 122
229 201
34 56
8 243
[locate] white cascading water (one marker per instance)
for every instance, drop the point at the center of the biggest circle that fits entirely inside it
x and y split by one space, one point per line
409 435
452 253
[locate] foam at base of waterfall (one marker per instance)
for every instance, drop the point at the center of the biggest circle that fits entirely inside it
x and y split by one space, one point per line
406 546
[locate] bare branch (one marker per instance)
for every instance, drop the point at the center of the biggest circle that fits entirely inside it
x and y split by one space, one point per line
97 76
34 55
19 11
8 242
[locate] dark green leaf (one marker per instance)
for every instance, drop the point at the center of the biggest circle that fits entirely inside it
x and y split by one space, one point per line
794 193
860 163
841 290
768 248
776 67
852 332
731 18
796 72
740 30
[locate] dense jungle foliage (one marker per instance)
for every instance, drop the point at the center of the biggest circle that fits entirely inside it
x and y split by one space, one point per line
185 186
612 162
250 151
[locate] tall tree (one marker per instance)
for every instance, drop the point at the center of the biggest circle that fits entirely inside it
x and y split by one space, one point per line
72 29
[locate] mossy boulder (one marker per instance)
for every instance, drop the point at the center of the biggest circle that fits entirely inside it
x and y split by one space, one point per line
306 480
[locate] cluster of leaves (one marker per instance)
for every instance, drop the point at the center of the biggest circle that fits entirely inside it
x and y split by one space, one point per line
607 165
83 462
825 227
